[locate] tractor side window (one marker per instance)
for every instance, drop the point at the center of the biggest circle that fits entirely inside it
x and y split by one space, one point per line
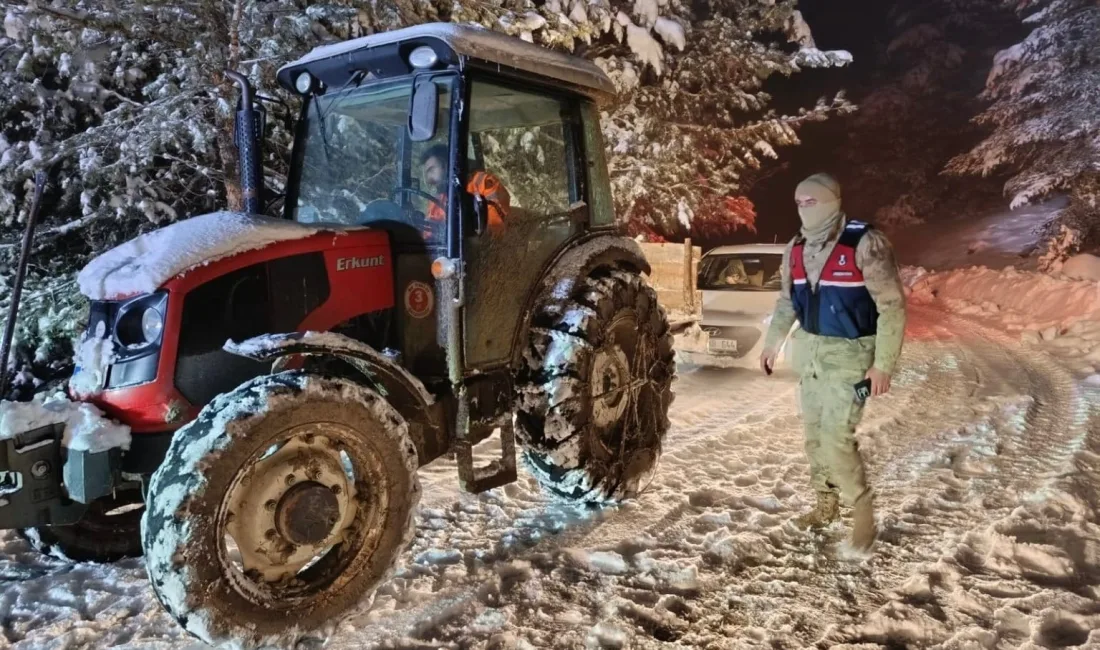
528 145
522 140
599 186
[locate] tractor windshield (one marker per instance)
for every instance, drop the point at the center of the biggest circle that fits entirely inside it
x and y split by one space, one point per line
349 157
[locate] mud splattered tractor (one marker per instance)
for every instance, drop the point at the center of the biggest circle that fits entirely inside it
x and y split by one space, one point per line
283 379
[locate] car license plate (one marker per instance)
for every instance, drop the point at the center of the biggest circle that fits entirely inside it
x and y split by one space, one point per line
723 345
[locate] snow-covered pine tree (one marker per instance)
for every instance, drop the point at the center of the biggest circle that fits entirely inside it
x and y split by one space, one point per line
124 103
914 110
1043 94
693 128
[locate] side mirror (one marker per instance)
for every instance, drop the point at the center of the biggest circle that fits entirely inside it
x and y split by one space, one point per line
481 214
423 108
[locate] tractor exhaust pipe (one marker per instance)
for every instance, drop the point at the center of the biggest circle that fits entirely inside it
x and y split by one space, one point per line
249 140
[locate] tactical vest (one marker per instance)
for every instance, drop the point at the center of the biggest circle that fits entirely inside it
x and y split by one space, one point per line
840 305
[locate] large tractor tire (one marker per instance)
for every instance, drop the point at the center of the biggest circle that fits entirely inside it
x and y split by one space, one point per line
110 530
594 394
279 510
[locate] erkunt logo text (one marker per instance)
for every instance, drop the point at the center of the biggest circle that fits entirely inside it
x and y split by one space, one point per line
349 263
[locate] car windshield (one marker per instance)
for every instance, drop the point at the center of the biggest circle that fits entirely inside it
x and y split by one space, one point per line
350 150
741 272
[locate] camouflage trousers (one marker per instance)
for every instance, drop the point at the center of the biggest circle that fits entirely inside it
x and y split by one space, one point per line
828 369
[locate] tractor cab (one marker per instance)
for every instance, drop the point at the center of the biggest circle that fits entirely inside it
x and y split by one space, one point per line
403 130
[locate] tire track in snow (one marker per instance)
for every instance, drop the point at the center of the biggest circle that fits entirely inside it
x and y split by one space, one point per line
657 573
516 528
988 541
707 558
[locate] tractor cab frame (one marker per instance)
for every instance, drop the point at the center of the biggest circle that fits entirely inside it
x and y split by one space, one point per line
493 104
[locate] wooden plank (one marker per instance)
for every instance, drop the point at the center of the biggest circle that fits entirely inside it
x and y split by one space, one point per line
689 276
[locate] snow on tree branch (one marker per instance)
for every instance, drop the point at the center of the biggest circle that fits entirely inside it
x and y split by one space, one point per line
124 102
1043 95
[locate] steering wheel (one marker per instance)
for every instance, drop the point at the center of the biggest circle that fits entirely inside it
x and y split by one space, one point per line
383 210
420 193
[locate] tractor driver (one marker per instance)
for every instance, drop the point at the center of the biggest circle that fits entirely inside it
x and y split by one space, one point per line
433 162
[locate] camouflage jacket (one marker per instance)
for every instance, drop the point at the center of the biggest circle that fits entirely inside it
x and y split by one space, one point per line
875 257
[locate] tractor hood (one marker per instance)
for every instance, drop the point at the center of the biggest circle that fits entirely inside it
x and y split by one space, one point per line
146 262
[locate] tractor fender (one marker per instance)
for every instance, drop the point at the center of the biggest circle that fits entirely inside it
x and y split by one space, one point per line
575 263
579 260
397 385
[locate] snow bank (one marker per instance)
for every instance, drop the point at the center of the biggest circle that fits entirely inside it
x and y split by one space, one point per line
1082 267
143 264
1026 299
86 428
1060 313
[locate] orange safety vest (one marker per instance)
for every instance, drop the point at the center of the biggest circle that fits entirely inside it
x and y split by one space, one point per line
488 187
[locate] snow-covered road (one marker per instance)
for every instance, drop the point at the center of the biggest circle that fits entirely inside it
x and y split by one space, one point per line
986 457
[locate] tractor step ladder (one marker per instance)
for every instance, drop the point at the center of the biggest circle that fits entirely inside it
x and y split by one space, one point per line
497 473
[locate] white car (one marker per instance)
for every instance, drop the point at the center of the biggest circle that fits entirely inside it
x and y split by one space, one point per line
740 285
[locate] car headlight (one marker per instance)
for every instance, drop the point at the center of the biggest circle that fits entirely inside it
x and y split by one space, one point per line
152 324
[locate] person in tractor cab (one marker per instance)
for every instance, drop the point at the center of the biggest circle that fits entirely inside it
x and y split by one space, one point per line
433 162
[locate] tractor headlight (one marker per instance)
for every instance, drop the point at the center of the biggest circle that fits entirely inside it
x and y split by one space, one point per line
303 83
140 322
423 57
152 324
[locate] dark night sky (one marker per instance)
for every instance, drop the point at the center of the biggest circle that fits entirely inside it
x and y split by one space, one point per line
851 25
864 28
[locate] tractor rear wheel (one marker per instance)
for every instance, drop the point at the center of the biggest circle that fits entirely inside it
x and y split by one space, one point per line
593 397
110 530
280 509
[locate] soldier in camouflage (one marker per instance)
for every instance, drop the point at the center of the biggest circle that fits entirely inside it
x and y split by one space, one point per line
852 323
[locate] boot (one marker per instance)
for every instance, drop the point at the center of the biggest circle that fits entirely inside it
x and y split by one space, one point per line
863 523
824 513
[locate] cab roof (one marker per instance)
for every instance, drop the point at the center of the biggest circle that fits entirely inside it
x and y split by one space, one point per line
463 44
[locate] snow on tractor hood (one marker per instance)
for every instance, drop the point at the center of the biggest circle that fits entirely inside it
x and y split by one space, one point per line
146 262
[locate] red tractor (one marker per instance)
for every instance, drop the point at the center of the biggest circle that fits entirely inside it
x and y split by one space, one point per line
283 379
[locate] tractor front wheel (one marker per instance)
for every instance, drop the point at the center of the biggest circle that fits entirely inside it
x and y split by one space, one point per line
280 509
593 396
